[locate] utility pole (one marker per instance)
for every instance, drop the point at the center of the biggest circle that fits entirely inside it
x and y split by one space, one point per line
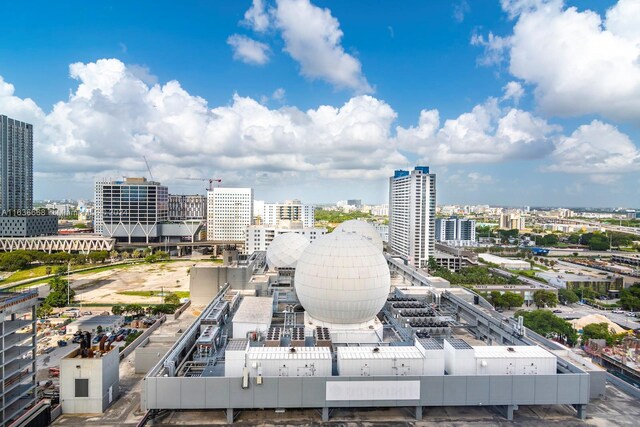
68 283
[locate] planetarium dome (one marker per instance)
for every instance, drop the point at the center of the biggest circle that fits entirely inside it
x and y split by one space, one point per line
342 278
363 228
285 250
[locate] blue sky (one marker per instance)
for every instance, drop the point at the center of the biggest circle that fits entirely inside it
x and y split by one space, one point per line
322 100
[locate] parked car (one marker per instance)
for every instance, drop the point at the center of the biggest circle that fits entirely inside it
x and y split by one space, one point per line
557 311
617 311
97 338
76 339
62 343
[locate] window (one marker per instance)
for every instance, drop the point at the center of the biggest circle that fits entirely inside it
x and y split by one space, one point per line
82 387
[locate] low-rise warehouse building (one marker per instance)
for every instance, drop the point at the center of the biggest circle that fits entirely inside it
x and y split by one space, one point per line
526 291
506 263
91 324
600 284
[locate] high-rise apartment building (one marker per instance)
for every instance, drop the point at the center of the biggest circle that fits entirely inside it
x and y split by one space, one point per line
17 353
131 210
283 214
456 231
229 213
16 164
17 217
412 214
511 221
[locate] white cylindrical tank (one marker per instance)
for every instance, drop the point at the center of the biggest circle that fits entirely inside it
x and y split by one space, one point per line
285 250
342 278
363 228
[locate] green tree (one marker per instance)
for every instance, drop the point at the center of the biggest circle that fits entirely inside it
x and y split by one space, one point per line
172 299
544 298
598 331
512 299
117 310
133 309
568 296
98 256
549 240
44 310
630 297
496 299
59 292
545 323
13 261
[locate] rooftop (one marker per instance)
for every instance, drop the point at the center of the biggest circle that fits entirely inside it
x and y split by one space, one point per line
99 320
256 310
512 352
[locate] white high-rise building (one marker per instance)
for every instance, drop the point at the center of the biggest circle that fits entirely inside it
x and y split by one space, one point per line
259 237
229 213
412 214
456 231
283 214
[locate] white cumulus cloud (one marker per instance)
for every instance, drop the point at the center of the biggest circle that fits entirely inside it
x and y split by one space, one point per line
248 50
256 17
487 134
577 61
597 148
513 91
118 114
113 118
312 37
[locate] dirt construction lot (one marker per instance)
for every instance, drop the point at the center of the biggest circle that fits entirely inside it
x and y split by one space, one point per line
105 286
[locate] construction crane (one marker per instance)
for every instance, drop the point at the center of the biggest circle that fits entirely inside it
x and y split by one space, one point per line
211 181
148 168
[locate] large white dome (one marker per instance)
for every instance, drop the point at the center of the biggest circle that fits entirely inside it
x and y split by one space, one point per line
363 228
342 278
285 250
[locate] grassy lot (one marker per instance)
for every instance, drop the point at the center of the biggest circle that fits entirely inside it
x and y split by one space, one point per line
180 294
41 270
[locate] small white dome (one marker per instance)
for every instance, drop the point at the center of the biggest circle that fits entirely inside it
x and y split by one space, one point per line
285 250
342 278
363 228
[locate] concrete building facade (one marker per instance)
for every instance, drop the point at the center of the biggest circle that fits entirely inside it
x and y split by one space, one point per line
511 221
229 213
28 226
184 207
280 214
17 353
259 237
412 214
130 210
88 385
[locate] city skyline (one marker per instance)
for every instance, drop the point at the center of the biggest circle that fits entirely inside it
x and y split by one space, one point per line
328 110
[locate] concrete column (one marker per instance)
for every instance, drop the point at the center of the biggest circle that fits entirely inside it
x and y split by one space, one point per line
325 414
419 413
507 411
229 415
581 411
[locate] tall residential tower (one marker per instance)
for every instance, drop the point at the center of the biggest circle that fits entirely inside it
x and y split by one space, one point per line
16 164
412 214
